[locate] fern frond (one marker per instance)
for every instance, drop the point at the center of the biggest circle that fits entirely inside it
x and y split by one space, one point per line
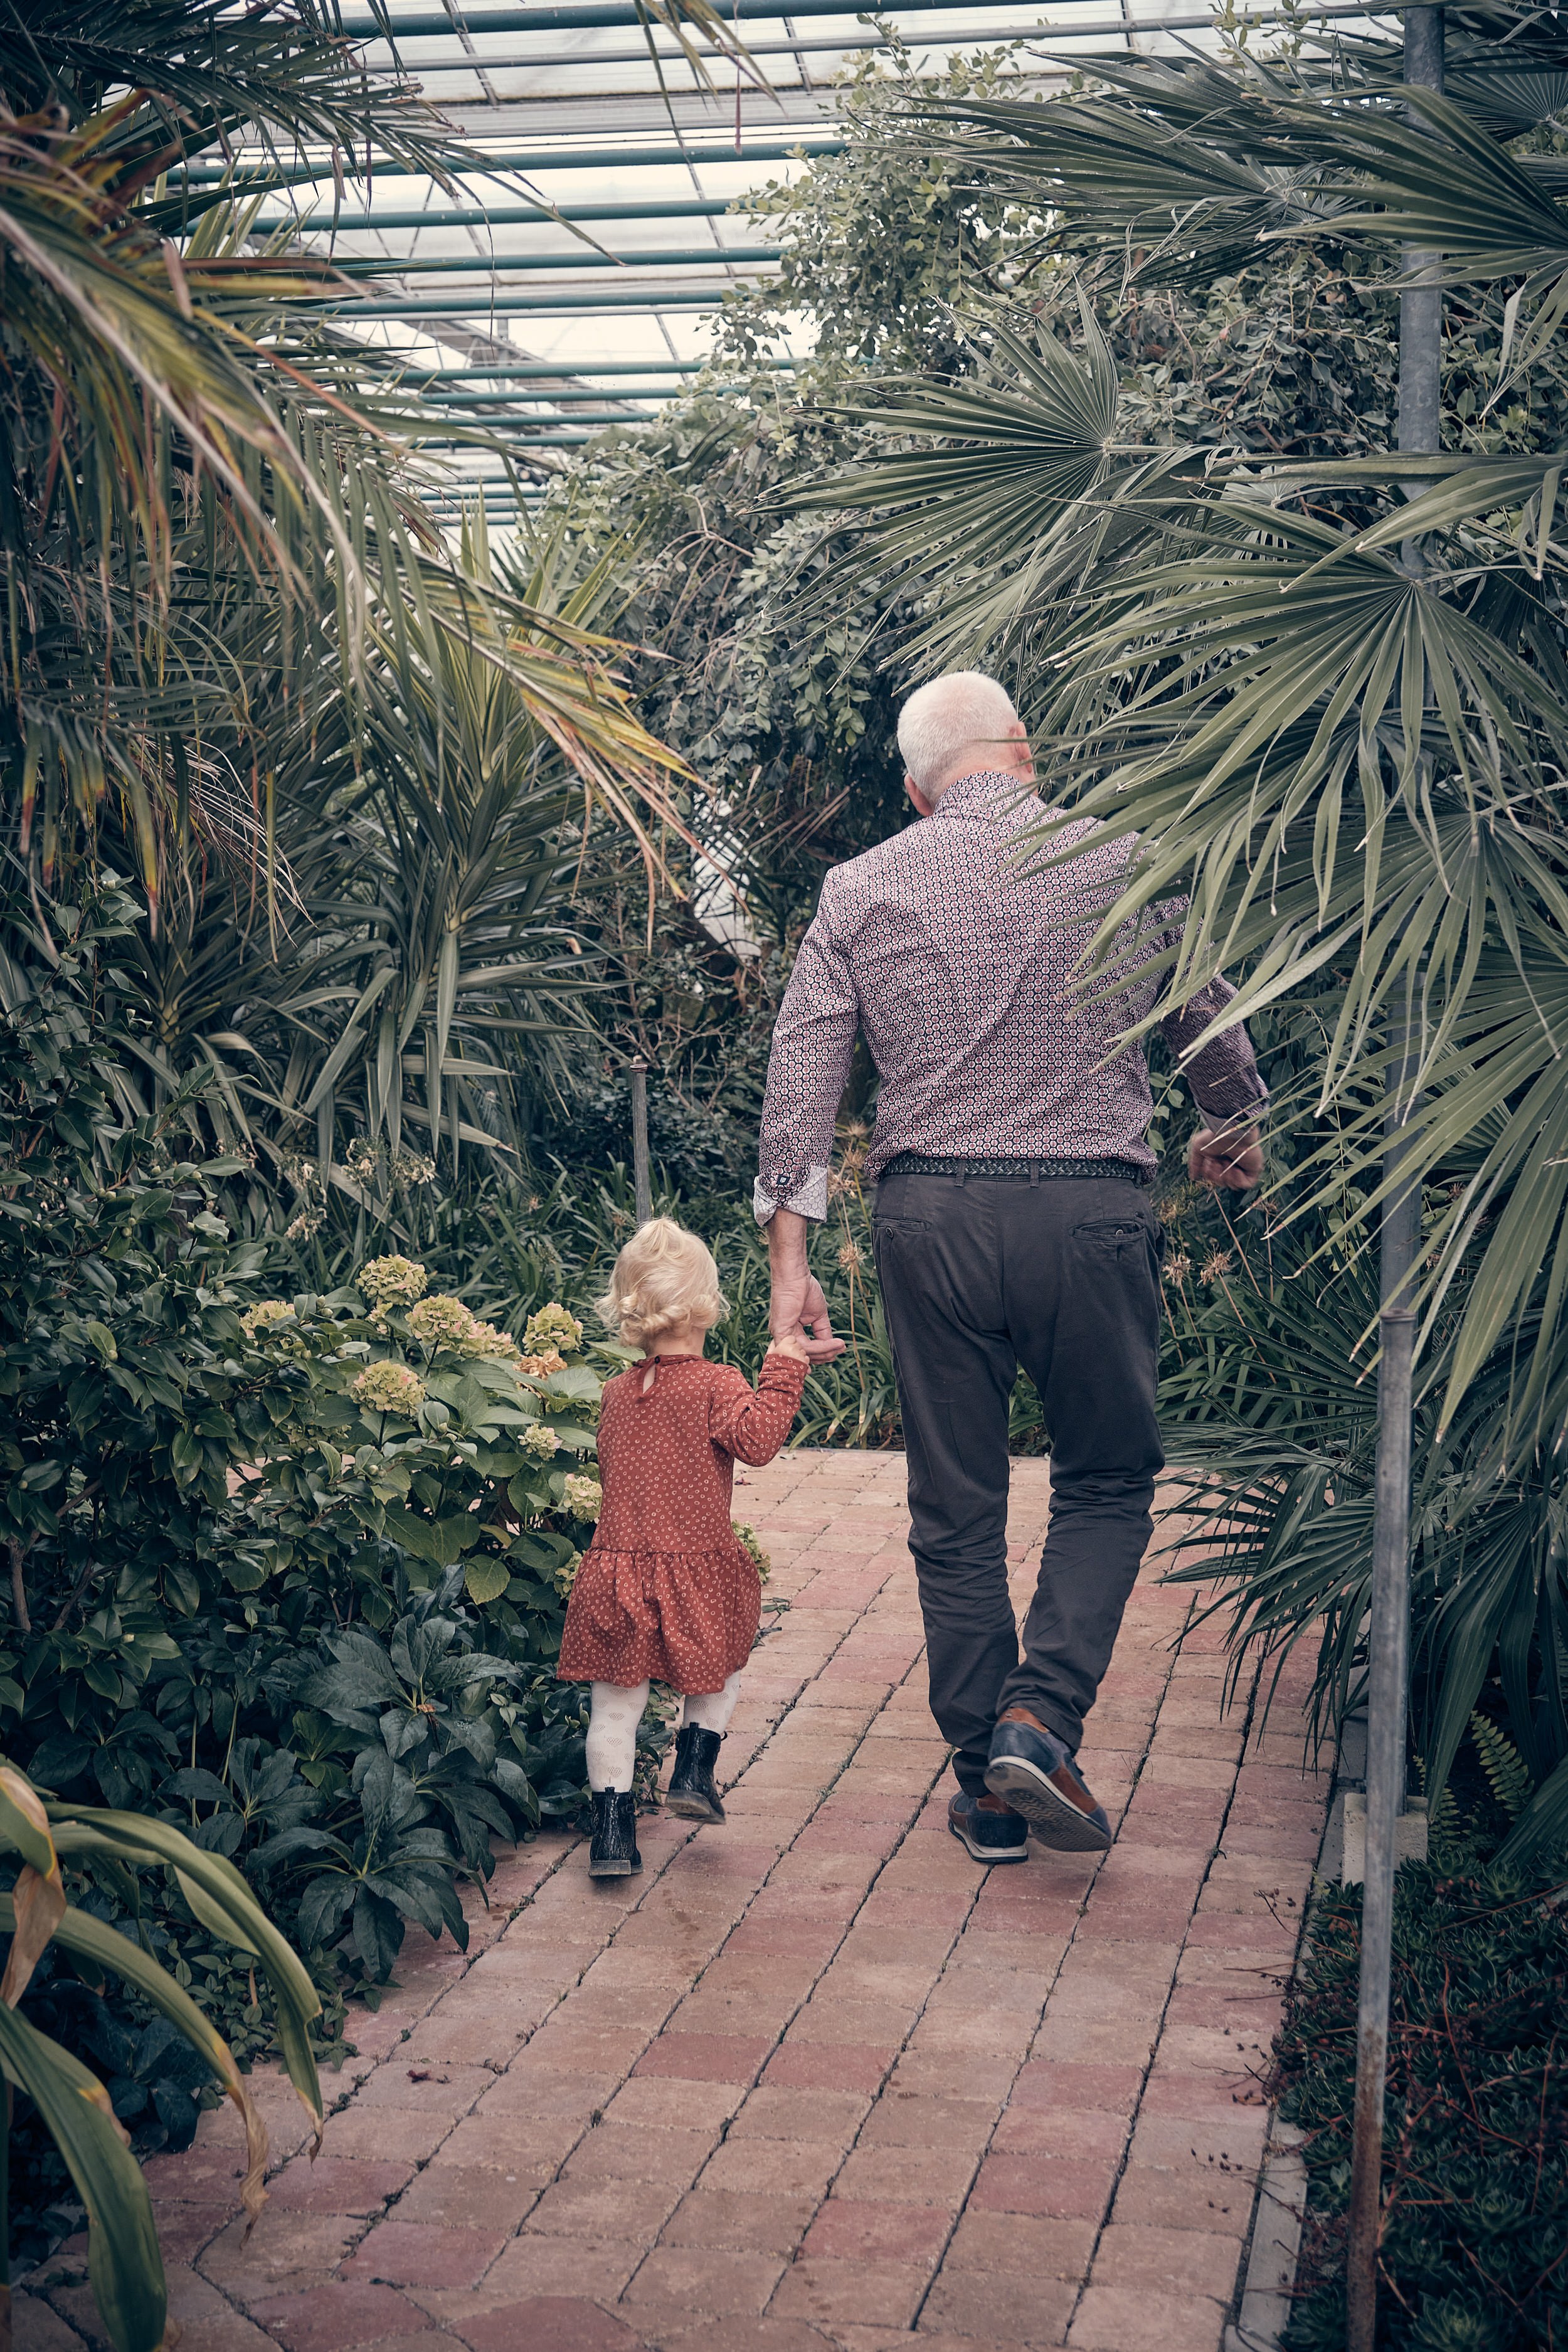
1507 1772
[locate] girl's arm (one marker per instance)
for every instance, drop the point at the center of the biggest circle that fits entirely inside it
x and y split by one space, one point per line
752 1425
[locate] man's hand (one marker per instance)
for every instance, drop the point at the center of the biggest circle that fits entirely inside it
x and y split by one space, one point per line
798 1307
1231 1156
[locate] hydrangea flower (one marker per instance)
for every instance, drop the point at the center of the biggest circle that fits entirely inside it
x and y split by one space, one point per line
263 1314
440 1322
391 1282
538 1367
552 1329
583 1497
389 1387
540 1441
486 1340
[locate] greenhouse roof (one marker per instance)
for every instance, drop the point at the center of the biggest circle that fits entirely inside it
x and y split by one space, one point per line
505 308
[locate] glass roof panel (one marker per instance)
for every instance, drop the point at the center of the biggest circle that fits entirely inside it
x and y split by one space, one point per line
502 309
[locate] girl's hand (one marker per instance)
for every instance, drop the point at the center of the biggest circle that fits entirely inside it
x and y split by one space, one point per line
790 1344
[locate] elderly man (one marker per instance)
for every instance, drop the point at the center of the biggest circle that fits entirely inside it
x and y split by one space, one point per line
1012 1224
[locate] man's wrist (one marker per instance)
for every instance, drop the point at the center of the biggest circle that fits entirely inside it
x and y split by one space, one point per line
786 1242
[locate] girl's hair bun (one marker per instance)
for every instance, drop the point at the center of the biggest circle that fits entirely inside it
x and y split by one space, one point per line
664 1277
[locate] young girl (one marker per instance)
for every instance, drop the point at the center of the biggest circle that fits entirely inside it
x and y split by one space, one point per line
667 1592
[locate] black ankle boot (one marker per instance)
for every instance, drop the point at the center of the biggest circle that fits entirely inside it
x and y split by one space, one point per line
614 1853
691 1793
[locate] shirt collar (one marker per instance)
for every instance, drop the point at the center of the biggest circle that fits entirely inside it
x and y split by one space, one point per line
991 794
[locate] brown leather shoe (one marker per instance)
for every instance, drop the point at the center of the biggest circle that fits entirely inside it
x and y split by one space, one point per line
990 1830
1031 1770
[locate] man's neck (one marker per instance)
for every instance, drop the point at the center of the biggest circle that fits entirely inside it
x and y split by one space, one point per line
1016 778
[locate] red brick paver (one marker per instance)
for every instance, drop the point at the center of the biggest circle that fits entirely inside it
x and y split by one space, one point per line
814 2082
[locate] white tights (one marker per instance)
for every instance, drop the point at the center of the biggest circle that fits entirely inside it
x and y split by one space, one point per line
616 1713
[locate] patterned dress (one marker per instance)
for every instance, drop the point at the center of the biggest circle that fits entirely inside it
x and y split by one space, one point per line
668 1594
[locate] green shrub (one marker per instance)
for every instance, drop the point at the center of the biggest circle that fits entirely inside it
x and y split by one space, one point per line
291 1572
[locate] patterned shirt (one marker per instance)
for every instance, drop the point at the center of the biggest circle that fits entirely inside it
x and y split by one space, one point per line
962 968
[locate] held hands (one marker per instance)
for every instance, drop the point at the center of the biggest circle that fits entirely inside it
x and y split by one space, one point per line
1230 1156
793 1345
798 1312
798 1320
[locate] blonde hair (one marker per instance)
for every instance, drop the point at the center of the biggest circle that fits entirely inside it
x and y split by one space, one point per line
664 1277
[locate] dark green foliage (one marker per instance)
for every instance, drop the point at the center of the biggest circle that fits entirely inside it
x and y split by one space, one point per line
1474 2245
339 1673
156 2084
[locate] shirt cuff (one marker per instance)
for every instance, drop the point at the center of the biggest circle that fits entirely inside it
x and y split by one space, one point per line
1225 1101
809 1199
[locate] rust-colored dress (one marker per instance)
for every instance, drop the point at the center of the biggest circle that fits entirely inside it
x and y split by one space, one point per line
668 1594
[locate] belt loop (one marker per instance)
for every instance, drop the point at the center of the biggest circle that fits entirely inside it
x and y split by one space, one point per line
1034 1171
964 1175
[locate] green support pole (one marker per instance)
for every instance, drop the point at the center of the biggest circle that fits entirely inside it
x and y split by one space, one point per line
1420 377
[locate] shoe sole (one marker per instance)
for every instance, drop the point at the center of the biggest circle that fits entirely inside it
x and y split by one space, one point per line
693 1809
613 1869
1055 1821
990 1852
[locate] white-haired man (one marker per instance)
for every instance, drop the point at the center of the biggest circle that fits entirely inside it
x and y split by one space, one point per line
1012 1224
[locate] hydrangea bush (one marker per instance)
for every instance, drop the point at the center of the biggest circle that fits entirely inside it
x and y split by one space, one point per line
426 1488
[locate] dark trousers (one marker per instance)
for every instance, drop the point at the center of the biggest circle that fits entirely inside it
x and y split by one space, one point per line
981 1274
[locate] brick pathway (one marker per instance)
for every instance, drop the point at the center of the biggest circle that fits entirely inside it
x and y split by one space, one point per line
814 2079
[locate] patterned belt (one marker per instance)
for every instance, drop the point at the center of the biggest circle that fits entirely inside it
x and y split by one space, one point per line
922 1163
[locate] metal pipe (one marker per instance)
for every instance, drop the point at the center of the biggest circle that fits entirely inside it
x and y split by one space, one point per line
486 403
521 436
566 373
536 159
701 257
501 306
1420 385
639 1142
495 216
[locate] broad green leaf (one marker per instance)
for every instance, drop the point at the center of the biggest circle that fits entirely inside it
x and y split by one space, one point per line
486 1579
93 1939
123 2261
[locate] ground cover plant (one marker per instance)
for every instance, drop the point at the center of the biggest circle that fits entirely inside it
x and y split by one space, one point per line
1474 2249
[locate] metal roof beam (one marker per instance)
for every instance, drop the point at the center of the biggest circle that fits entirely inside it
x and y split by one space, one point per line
498 401
436 25
1040 38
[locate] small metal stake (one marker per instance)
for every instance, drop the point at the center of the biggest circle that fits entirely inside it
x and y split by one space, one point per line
640 1142
1420 386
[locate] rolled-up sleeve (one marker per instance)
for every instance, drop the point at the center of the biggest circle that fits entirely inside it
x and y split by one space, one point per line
1224 1075
808 1069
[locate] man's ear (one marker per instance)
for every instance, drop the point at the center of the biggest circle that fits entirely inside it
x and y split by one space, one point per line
922 806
